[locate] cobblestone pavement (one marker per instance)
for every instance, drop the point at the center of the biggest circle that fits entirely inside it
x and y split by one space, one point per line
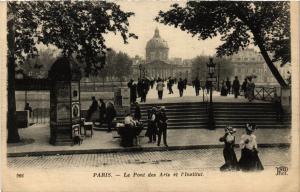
166 160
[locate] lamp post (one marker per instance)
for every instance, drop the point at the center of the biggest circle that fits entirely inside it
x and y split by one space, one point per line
140 68
218 86
211 70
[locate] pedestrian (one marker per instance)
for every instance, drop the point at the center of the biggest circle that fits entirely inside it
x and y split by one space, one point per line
180 87
93 108
250 89
170 85
110 115
185 83
162 126
152 125
244 87
152 81
249 160
160 88
236 87
127 133
143 91
208 84
223 89
102 111
129 84
139 88
133 93
277 107
137 112
28 108
196 84
228 85
231 163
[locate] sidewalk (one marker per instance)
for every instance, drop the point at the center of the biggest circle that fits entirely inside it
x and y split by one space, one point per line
104 142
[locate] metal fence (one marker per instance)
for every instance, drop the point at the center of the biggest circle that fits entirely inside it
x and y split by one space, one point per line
264 93
101 86
40 115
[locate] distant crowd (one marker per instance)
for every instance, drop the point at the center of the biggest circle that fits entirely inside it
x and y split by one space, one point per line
141 88
247 87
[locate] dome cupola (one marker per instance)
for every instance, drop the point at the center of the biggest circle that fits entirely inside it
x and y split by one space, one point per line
157 48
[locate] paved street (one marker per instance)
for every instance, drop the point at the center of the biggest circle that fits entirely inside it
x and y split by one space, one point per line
104 140
168 160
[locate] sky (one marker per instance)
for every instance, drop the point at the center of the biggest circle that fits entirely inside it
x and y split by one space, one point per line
181 43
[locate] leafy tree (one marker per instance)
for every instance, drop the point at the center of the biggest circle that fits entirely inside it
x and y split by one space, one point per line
122 65
117 65
76 28
38 65
265 24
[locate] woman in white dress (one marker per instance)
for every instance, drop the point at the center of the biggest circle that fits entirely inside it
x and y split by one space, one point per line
249 160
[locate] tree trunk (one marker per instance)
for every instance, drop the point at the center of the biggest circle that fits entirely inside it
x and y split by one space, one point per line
13 134
241 14
268 60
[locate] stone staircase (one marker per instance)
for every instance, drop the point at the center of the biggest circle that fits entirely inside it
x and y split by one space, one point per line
180 115
195 116
237 114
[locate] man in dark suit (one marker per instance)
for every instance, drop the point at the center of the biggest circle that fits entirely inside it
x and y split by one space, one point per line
196 84
162 126
236 87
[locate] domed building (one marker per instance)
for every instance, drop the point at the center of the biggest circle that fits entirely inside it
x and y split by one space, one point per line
157 48
157 63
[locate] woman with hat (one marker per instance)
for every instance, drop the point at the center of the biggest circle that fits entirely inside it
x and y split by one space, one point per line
228 151
249 160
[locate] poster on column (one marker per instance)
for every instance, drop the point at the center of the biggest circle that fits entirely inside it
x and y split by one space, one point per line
189 135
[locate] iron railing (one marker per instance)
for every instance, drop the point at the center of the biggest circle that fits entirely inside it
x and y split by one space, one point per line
101 86
264 93
40 115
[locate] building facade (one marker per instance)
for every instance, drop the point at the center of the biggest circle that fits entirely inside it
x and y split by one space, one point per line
157 63
249 62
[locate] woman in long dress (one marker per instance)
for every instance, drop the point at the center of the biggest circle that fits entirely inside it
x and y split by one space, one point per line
231 163
223 89
249 157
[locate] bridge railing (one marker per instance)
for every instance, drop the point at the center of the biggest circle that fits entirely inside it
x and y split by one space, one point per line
264 93
99 86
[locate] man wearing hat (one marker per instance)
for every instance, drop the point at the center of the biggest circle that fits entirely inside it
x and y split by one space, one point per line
152 127
162 126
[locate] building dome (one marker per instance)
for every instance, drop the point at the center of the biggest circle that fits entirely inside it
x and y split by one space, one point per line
157 48
157 42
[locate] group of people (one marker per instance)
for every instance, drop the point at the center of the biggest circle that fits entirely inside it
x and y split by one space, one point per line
142 87
249 160
247 87
139 89
107 113
157 125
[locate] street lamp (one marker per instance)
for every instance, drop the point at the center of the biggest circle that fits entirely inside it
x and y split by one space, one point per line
211 70
140 67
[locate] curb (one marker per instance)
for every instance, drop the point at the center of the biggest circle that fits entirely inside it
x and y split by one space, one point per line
132 149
